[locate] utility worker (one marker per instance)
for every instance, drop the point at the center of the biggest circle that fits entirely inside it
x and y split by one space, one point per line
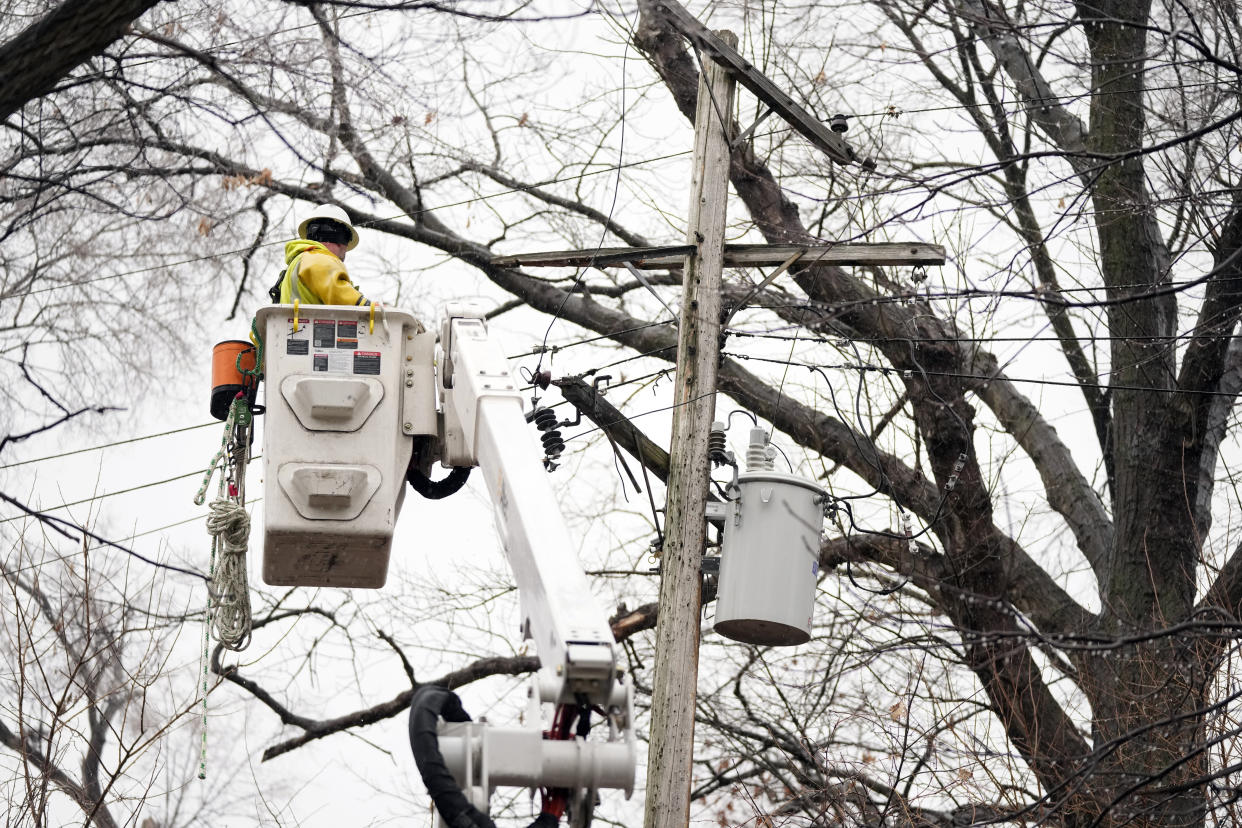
315 261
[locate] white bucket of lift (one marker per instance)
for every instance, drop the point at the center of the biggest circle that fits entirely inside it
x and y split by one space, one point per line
770 559
346 389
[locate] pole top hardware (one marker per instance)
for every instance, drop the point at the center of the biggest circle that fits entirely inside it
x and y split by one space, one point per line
806 124
896 254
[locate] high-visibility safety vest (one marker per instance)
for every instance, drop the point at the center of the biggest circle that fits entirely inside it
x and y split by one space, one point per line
320 279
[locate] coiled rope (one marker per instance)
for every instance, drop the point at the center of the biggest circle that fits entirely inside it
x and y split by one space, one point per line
229 526
228 600
228 592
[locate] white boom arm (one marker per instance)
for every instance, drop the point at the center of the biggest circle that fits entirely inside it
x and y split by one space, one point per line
483 406
484 425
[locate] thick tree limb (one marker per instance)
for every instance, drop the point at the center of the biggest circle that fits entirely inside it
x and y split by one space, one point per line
313 729
1043 105
1069 493
1226 591
1033 592
1210 372
624 625
47 50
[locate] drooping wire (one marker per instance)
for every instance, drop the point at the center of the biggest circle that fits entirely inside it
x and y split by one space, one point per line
611 208
103 446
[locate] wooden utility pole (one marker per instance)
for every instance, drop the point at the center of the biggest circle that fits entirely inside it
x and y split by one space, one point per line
674 690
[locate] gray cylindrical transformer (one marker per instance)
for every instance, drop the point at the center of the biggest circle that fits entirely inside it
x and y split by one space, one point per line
770 559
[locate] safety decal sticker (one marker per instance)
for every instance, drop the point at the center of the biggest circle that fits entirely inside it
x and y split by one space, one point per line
332 362
347 334
366 362
298 343
325 333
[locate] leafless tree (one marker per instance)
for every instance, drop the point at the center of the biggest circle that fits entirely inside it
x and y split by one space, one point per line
1067 664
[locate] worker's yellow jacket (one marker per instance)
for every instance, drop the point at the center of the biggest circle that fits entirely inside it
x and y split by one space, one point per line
316 277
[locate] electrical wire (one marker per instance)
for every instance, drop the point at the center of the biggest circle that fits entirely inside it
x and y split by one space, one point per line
587 341
924 340
114 494
604 230
1022 106
1044 297
884 369
129 538
63 527
108 445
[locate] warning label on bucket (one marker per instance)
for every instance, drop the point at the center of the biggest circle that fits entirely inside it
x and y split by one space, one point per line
299 339
333 362
366 362
347 334
325 333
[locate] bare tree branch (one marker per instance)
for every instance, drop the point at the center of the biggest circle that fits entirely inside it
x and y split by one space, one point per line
38 57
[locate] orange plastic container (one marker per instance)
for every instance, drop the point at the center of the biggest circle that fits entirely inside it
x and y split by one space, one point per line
226 379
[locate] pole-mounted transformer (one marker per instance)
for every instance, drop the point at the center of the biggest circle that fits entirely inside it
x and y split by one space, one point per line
769 560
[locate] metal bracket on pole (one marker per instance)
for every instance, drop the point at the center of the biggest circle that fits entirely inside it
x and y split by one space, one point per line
638 274
771 277
745 134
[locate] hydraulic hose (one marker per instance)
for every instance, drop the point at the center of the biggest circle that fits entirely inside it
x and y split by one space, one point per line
438 489
430 704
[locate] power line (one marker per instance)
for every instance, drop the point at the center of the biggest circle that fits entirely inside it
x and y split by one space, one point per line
887 370
1048 297
556 348
118 492
110 494
62 527
168 526
896 111
130 537
871 340
107 445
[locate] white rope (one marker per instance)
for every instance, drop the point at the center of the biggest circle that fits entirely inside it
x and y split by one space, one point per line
218 463
202 669
229 526
228 593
